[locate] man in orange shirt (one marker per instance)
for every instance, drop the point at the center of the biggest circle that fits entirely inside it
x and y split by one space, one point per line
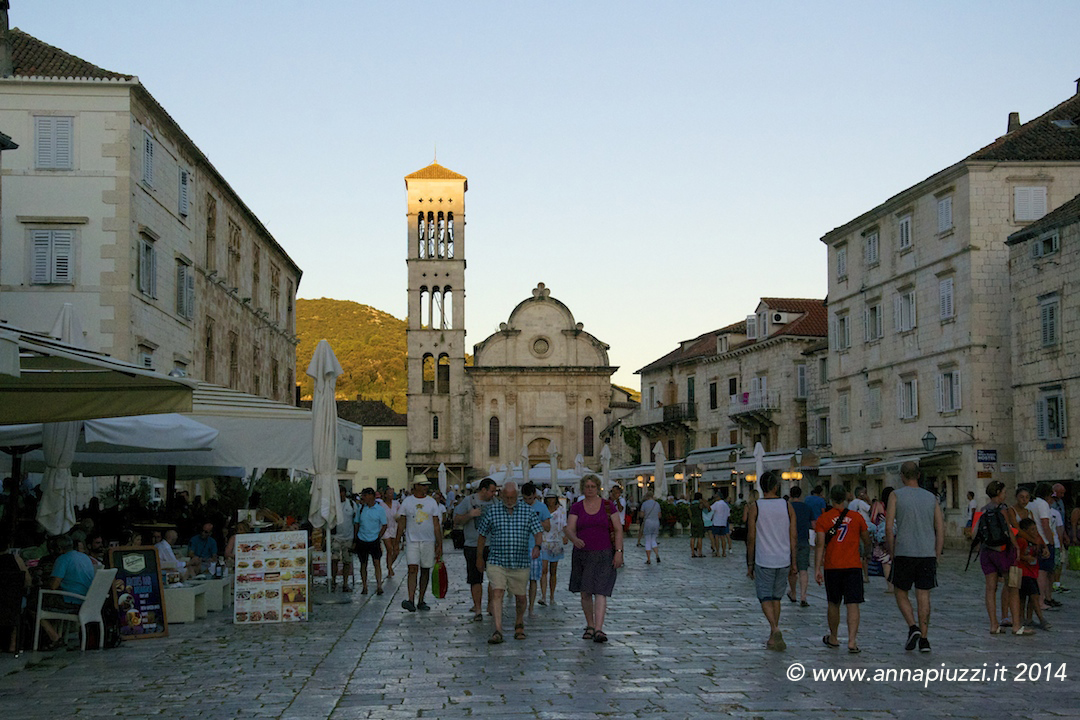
838 564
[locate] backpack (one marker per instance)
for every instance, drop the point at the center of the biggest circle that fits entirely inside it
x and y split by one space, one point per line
992 531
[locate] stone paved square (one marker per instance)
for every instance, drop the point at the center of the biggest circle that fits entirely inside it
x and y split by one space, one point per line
687 641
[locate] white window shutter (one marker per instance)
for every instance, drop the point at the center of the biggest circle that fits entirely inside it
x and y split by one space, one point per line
957 403
945 214
1062 422
153 271
940 387
900 399
41 267
898 314
914 397
911 303
44 142
62 261
1040 418
763 385
1022 202
148 159
64 142
184 196
866 325
190 292
751 327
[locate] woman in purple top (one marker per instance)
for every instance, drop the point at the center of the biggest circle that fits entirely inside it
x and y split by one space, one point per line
592 524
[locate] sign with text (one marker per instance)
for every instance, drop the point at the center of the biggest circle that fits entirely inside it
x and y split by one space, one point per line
986 456
137 592
271 578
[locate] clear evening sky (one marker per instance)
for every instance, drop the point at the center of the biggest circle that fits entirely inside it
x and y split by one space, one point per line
659 165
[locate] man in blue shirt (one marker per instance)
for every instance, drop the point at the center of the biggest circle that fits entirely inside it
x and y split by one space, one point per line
804 523
202 549
507 527
73 572
369 524
532 499
816 502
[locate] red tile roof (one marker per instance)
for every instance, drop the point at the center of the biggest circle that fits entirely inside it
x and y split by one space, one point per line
1039 139
701 346
34 58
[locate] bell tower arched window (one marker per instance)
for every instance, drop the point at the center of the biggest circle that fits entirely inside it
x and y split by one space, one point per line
434 427
441 248
428 386
587 437
430 235
493 437
425 308
444 375
421 236
449 235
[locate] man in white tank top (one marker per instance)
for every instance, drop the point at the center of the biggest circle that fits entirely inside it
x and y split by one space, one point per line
770 552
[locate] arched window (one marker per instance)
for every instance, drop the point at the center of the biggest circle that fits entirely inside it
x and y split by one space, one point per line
429 374
436 319
493 437
444 375
425 307
587 437
447 308
421 232
441 250
430 235
434 427
449 235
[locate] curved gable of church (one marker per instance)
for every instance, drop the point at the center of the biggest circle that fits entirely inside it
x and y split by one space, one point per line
541 332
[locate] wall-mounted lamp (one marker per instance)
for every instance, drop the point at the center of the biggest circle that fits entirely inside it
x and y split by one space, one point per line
929 440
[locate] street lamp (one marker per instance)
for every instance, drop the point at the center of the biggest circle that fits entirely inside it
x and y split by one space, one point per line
798 456
929 441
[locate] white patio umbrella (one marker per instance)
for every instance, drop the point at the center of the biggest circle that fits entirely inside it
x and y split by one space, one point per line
56 512
759 460
579 465
605 464
325 505
492 469
553 462
524 463
659 473
442 478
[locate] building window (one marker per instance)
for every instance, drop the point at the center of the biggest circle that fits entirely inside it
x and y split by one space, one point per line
184 193
690 396
652 396
944 214
289 305
751 327
722 344
763 324
587 437
256 258
1029 203
185 290
671 448
275 293
823 430
904 311
444 375
233 267
842 332
147 266
903 229
53 257
843 410
382 449
148 160
872 249
948 391
800 380
382 483
434 427
945 299
823 371
907 398
712 397
841 262
234 360
1049 312
1047 244
54 143
211 233
873 404
208 351
1050 419
873 323
274 367
733 386
493 437
146 357
256 367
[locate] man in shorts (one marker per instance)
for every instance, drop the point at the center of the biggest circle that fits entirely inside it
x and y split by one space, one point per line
721 513
1040 513
914 537
770 551
861 505
466 513
838 563
341 543
804 525
508 528
419 523
369 524
532 499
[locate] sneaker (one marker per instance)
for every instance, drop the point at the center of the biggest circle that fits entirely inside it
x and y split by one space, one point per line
1053 603
913 638
422 606
924 645
408 605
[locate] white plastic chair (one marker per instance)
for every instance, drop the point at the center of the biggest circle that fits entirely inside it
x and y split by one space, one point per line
88 613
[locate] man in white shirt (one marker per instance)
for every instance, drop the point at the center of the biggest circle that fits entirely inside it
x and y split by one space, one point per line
341 543
419 523
721 512
166 555
861 505
1040 513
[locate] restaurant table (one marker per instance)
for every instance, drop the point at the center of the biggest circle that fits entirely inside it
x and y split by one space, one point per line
184 604
216 591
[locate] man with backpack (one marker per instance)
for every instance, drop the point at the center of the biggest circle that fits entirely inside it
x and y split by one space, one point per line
997 558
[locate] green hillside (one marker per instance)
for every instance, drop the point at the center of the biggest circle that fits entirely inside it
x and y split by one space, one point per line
369 344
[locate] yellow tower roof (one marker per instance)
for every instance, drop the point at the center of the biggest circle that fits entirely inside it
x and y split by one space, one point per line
435 171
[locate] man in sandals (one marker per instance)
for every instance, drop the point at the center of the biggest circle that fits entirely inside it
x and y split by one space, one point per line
837 564
512 532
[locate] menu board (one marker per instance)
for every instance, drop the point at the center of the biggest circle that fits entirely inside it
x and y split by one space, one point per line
271 578
137 592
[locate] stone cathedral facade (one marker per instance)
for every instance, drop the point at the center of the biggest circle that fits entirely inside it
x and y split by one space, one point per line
540 382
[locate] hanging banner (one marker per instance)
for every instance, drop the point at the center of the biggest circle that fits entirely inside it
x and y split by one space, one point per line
271 578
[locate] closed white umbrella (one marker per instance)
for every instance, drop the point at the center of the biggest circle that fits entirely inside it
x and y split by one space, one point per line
325 504
442 478
605 464
56 511
659 472
579 465
524 463
759 460
553 462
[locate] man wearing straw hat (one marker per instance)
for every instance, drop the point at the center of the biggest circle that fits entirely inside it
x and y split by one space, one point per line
420 524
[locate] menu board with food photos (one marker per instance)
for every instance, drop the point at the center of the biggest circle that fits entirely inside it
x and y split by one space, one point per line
137 592
271 578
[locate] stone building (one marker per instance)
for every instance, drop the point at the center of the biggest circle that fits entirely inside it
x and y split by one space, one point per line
110 206
541 383
919 314
716 396
1044 274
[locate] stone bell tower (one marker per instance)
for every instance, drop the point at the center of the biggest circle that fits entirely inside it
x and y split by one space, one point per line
438 402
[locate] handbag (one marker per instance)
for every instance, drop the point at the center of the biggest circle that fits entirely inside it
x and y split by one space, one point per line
439 579
1014 576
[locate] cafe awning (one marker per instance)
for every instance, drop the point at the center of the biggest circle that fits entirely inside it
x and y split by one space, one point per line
632 471
773 461
45 380
892 465
718 454
845 466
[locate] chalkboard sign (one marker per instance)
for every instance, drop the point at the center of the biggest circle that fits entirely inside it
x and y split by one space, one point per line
140 604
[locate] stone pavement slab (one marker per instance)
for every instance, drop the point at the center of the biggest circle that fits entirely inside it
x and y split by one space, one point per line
687 641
